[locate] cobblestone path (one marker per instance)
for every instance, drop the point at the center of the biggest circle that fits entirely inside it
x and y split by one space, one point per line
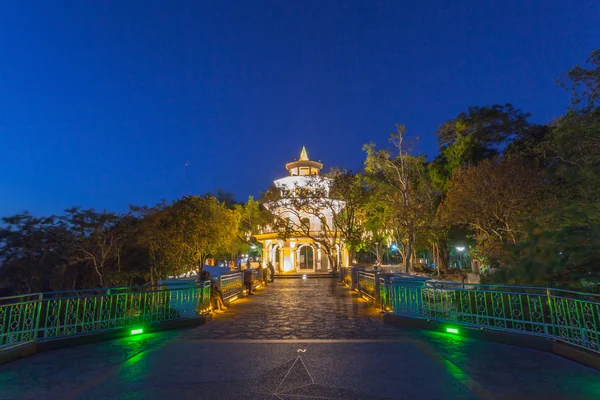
319 308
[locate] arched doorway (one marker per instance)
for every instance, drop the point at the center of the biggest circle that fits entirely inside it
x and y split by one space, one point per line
276 257
306 258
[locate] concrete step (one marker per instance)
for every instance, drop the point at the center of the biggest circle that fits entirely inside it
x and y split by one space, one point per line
309 275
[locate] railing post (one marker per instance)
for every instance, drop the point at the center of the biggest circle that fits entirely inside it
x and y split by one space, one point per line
551 310
376 287
354 274
39 313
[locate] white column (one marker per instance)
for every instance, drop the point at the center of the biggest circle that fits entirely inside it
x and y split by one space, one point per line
293 256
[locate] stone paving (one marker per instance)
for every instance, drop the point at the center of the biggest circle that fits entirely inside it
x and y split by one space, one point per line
297 339
316 308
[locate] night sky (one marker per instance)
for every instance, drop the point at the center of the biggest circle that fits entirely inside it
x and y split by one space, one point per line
103 102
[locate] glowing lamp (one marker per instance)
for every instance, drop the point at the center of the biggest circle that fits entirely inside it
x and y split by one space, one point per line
137 331
451 330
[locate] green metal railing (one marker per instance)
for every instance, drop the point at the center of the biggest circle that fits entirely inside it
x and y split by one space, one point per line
19 319
563 315
55 315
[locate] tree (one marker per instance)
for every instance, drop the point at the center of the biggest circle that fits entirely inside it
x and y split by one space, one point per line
474 136
205 227
98 241
376 230
349 189
489 126
31 249
566 257
496 199
560 248
157 234
584 83
400 180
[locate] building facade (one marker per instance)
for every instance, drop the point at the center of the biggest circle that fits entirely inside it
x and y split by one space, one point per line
300 252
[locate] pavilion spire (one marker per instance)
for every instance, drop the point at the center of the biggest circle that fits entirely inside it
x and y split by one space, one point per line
303 154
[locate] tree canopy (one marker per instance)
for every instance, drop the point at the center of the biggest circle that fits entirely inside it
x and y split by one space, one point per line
522 197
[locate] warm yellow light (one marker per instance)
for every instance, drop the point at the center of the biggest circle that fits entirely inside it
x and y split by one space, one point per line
287 266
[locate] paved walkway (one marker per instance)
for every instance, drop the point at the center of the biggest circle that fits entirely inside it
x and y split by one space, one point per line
318 308
297 339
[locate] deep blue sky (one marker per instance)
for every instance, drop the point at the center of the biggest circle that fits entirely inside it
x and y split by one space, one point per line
103 102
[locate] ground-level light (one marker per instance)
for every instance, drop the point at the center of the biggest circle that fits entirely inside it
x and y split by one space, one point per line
451 330
137 331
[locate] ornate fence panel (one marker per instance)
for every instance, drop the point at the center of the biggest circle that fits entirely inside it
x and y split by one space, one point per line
575 318
231 285
55 315
571 317
515 309
367 284
19 317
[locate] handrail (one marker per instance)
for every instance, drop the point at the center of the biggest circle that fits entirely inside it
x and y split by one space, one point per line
558 314
541 288
55 315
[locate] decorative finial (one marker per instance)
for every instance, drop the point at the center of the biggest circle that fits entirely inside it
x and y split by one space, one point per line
303 155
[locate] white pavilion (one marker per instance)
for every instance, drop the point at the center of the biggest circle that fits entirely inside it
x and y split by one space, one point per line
300 253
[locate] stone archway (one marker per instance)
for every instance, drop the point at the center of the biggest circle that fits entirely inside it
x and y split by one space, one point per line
275 256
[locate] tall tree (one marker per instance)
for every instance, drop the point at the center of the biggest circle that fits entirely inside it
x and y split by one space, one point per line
584 83
473 136
401 180
496 199
31 251
206 227
98 241
350 189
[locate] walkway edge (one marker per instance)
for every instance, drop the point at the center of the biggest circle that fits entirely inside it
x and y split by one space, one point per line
532 342
42 346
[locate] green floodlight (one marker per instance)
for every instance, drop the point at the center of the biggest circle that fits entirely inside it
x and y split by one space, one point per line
137 331
451 330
